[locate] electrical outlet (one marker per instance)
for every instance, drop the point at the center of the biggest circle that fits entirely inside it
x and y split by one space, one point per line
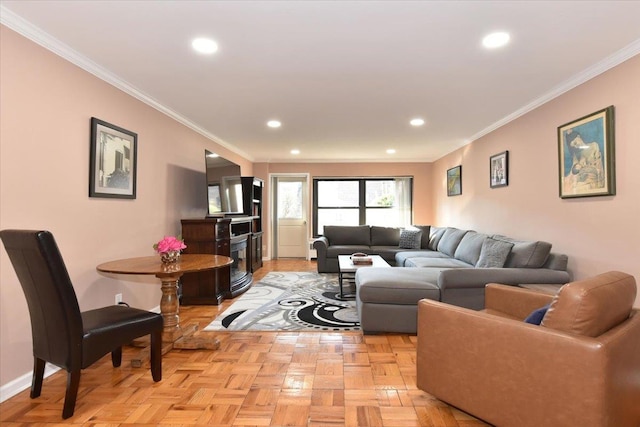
118 298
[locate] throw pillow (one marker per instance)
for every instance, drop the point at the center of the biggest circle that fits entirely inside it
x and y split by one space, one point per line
410 238
494 253
426 230
536 316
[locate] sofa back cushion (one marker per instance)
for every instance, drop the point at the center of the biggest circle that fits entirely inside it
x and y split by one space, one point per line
592 306
424 240
468 249
384 236
450 240
557 262
348 235
435 234
526 254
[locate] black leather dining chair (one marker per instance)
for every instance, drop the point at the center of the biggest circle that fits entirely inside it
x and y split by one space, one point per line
62 334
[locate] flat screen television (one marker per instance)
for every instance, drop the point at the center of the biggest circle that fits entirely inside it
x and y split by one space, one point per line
224 187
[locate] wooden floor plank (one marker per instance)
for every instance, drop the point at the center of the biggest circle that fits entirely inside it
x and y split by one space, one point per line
255 379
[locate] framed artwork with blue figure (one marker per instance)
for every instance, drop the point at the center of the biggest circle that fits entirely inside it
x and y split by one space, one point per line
586 156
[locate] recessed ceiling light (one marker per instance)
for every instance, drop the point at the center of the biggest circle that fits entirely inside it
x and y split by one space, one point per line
417 122
206 46
274 124
294 151
391 151
494 40
213 155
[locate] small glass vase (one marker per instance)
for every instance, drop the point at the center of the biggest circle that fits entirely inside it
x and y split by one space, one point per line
170 257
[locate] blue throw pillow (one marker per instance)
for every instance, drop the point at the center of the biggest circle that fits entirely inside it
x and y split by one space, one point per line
536 316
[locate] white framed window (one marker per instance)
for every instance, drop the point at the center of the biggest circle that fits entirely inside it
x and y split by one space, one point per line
381 201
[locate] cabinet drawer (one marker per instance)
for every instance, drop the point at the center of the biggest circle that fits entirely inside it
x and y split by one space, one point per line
222 229
223 247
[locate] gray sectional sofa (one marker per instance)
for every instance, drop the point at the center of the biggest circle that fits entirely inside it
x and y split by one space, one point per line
346 240
452 265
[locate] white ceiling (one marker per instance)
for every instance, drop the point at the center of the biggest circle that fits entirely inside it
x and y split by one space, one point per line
344 77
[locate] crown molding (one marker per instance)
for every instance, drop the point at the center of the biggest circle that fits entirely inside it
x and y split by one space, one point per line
28 30
606 64
44 39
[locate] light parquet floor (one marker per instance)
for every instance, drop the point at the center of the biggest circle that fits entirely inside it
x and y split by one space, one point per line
254 379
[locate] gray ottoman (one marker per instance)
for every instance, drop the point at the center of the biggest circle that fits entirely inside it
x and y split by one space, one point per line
387 298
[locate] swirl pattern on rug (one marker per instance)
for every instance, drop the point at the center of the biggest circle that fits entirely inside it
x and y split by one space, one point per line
290 301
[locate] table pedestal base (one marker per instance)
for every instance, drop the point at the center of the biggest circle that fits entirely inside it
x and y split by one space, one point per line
181 338
187 338
197 341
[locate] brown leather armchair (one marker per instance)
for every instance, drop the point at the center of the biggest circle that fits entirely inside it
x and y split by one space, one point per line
62 335
580 367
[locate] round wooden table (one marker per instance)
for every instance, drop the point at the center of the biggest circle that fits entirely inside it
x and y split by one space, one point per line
173 335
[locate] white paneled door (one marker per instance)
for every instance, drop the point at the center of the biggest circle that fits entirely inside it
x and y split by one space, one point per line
291 216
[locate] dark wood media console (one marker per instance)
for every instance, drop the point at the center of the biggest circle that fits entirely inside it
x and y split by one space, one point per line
236 236
231 237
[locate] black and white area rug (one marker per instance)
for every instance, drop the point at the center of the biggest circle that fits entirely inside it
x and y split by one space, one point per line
290 301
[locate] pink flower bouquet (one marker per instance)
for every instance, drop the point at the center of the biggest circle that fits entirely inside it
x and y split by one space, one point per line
169 244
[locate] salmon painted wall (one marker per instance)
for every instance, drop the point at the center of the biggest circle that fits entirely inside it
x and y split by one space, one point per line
597 233
46 106
421 172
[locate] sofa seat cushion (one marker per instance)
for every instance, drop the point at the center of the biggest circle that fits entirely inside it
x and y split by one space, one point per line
436 263
400 286
387 252
335 250
402 255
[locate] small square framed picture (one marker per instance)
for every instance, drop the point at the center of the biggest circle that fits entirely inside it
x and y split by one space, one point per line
499 170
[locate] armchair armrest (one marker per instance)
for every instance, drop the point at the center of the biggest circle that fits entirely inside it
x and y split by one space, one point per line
513 301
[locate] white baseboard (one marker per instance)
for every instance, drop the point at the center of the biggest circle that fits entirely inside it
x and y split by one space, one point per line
23 382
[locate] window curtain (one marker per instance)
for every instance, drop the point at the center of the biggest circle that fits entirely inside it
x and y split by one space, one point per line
403 200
